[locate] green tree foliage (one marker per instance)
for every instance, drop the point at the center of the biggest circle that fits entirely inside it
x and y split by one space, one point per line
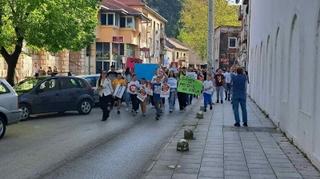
169 10
194 20
52 25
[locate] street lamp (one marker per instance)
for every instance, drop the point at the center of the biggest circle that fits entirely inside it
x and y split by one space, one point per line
210 50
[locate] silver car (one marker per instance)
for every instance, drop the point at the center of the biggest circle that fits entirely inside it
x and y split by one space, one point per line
9 111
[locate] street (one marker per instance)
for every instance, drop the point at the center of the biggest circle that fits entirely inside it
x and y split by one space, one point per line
75 146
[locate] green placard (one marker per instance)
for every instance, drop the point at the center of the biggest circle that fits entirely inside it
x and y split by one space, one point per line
190 86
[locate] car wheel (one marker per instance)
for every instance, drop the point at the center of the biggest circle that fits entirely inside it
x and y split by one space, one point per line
85 106
25 112
2 127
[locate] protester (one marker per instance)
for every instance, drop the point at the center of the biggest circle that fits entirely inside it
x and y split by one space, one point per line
36 70
239 97
172 82
227 85
133 89
119 81
207 92
156 86
219 80
105 91
126 95
182 97
112 73
49 71
55 71
143 103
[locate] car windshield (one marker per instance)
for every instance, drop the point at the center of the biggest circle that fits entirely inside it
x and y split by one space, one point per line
26 85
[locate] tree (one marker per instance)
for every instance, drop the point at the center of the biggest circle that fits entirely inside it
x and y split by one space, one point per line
51 25
194 20
169 10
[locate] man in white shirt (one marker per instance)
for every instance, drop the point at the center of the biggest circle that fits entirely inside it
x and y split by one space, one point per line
227 77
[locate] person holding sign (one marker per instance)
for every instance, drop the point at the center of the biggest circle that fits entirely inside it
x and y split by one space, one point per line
105 91
207 92
156 86
133 87
117 83
172 82
143 97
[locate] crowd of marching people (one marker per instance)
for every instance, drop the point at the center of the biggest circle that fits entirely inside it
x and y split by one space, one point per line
162 90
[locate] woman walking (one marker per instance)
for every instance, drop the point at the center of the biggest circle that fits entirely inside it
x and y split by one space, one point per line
105 90
172 82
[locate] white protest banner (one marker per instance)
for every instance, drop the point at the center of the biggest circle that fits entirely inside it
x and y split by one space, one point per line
192 75
118 92
165 90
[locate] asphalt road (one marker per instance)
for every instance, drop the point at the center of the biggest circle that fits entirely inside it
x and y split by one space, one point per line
75 146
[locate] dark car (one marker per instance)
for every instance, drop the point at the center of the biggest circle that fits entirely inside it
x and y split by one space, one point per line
54 94
92 80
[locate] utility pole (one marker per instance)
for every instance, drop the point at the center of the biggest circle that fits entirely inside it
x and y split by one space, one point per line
210 50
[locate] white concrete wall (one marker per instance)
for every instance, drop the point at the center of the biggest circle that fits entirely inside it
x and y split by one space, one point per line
284 67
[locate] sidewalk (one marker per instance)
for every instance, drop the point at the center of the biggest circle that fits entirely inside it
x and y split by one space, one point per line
223 151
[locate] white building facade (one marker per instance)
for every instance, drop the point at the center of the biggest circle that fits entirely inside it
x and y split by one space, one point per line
284 68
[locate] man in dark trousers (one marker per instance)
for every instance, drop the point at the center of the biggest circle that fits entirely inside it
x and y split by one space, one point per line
239 96
219 79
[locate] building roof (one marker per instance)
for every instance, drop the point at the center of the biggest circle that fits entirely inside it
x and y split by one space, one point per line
133 2
175 44
115 5
143 4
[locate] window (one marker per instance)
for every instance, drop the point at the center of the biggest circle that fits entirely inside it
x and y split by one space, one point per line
121 49
103 19
92 81
70 83
232 42
103 50
177 55
130 22
111 19
3 89
49 85
122 22
108 19
127 22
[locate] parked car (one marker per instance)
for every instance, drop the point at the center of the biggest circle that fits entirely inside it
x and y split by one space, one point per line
92 80
9 111
54 94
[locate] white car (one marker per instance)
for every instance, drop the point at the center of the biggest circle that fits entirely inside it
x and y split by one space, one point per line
9 110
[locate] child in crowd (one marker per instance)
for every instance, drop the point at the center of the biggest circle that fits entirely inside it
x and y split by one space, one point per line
207 92
143 90
156 86
133 87
119 81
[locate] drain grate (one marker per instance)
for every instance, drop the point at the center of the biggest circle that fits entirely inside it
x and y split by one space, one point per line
250 129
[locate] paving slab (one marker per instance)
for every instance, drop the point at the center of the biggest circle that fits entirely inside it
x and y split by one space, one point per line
221 151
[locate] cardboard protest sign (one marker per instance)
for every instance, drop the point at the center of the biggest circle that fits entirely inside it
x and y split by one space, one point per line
148 89
142 94
145 70
132 88
190 86
165 90
119 91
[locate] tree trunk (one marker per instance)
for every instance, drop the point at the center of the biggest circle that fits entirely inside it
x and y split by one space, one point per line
12 59
12 63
